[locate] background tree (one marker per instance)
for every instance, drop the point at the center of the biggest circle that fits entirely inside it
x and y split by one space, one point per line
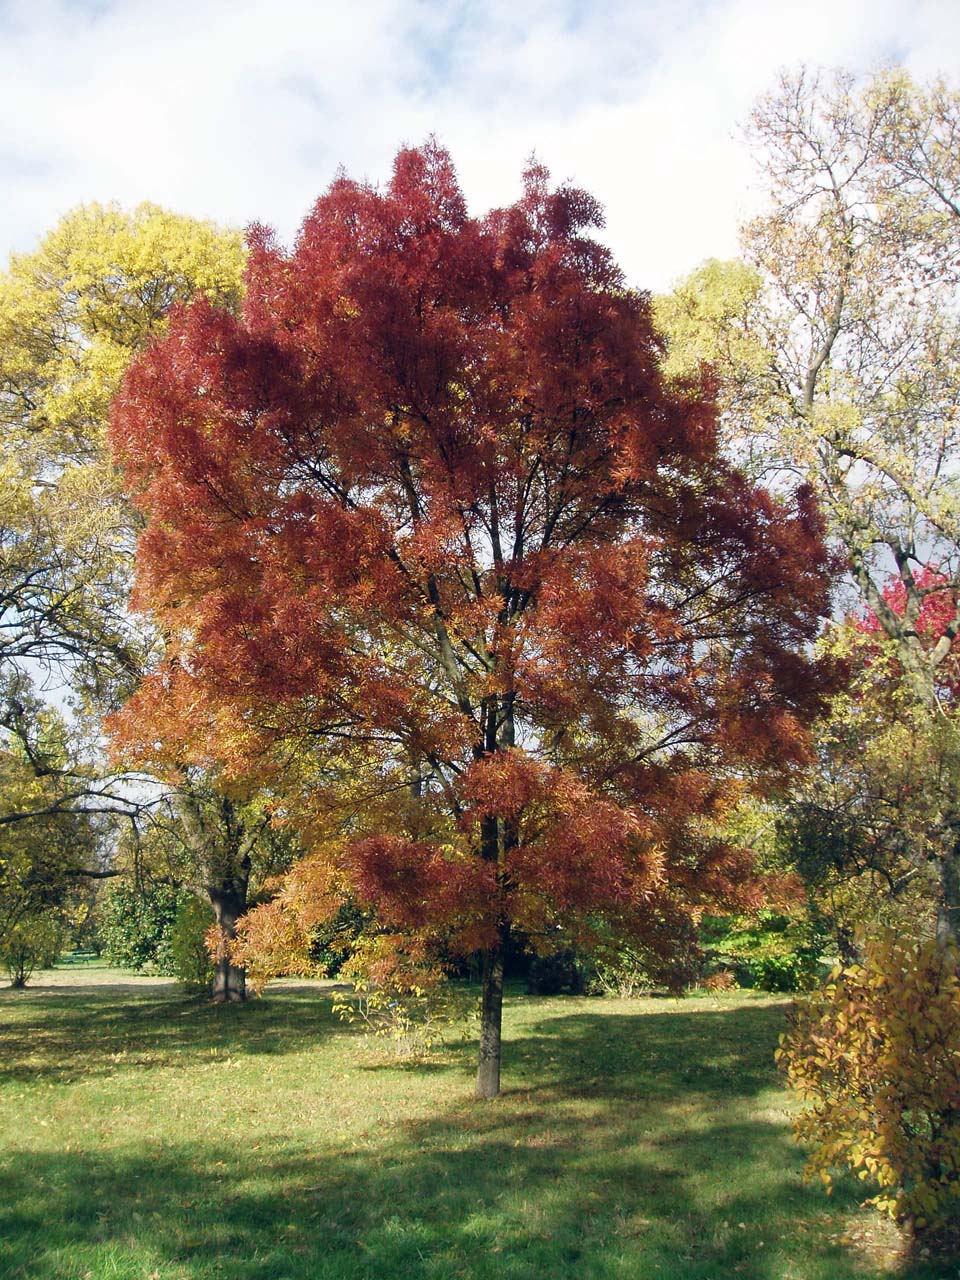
43 856
429 510
865 829
192 841
231 848
838 350
72 315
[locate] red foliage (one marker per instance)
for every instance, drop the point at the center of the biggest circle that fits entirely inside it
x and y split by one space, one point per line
935 617
431 494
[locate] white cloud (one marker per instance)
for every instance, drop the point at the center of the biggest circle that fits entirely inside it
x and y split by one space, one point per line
242 110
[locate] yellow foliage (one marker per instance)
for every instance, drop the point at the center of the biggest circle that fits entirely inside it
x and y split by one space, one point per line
99 286
73 314
875 1056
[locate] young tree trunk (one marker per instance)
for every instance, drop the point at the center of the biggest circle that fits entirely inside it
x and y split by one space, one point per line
948 906
229 981
491 1020
491 995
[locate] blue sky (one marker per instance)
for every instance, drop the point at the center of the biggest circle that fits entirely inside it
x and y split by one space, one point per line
242 110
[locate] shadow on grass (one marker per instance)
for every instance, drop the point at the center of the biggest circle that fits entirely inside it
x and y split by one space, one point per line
727 1051
624 1145
81 1032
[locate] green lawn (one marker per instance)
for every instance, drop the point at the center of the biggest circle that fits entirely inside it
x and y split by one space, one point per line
144 1135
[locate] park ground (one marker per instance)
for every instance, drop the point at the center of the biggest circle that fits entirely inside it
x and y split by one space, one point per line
147 1135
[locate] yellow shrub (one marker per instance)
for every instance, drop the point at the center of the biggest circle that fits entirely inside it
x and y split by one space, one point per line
875 1055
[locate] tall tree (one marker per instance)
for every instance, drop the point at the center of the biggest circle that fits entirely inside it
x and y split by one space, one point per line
838 351
428 509
73 313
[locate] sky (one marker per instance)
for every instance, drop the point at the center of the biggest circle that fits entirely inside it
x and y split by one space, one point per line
242 111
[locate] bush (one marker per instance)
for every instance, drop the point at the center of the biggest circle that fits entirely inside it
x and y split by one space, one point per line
136 921
722 980
621 971
33 943
401 994
190 957
770 951
560 973
795 971
876 1056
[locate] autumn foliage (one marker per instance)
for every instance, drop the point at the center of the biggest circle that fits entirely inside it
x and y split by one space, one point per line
930 609
440 557
875 1055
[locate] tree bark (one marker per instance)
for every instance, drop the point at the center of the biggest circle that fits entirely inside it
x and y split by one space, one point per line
491 993
491 1021
229 981
948 906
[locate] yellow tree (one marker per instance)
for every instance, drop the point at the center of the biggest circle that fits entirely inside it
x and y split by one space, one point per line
72 315
98 288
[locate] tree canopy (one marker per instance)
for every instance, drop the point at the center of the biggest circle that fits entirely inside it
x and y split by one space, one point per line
837 349
428 510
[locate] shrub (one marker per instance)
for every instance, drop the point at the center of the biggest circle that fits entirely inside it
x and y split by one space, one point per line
769 950
722 980
400 994
620 971
33 943
875 1054
560 972
795 971
192 964
135 925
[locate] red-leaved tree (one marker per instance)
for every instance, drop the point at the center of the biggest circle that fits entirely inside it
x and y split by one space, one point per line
926 610
426 523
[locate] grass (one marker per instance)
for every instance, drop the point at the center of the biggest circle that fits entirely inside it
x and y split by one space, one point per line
145 1135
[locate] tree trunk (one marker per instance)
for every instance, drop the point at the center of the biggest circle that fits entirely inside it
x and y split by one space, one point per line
495 839
948 906
229 981
491 1020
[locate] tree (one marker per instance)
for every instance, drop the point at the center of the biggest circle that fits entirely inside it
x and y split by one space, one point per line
838 351
229 843
41 856
72 315
436 549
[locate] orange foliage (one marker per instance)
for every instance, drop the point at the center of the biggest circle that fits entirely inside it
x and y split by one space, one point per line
437 551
